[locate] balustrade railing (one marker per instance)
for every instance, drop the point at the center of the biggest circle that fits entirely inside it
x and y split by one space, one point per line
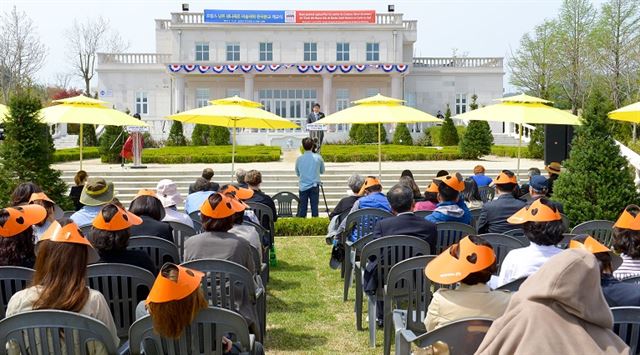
458 62
133 58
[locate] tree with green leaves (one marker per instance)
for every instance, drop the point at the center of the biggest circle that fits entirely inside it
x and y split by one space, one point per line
200 135
219 136
478 138
536 144
176 135
402 136
597 182
27 152
367 133
111 143
89 134
448 133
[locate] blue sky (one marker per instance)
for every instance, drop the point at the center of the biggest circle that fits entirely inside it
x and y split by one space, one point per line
477 27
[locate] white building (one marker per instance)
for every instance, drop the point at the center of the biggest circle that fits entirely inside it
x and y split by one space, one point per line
288 67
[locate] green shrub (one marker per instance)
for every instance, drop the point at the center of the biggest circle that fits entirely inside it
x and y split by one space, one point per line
200 135
477 140
176 135
89 133
597 182
448 133
510 152
402 136
367 133
149 142
536 144
435 134
219 136
210 154
390 152
111 143
301 226
425 139
73 154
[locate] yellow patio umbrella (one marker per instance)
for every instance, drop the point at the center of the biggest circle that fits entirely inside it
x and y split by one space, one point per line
630 113
234 112
85 110
521 109
378 109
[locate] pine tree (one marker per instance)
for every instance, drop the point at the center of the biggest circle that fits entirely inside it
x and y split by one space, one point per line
597 182
367 133
448 133
111 143
176 135
28 149
219 136
90 138
402 135
200 135
536 144
477 139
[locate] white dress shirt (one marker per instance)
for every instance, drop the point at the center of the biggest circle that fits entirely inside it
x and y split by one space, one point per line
524 262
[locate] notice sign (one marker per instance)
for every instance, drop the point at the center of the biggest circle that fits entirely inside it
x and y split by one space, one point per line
347 17
244 16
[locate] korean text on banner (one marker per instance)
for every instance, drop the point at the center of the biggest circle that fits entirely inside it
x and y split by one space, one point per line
347 17
244 16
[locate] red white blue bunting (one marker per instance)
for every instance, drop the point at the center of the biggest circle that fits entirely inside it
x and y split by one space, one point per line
246 68
175 67
387 67
218 68
317 68
401 68
203 68
189 67
345 68
302 68
274 67
331 68
361 67
232 67
260 67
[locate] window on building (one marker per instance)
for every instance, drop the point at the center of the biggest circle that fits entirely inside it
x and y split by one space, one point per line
233 92
266 52
373 51
294 104
342 102
461 103
371 92
142 103
202 51
342 52
310 51
202 97
233 52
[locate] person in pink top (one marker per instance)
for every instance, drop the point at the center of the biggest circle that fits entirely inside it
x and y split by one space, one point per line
430 199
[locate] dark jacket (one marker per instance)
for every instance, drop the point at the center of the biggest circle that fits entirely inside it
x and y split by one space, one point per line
407 224
619 294
343 205
131 257
449 211
493 218
74 195
311 118
151 227
214 187
261 197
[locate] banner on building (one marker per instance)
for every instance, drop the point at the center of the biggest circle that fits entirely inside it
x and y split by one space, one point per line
244 16
350 17
290 16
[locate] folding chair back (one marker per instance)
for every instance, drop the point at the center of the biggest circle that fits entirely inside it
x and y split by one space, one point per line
12 280
486 193
422 214
512 286
203 336
632 280
462 336
502 245
123 286
160 250
362 221
626 324
29 330
600 229
86 229
451 232
180 233
284 203
475 215
265 216
195 216
518 233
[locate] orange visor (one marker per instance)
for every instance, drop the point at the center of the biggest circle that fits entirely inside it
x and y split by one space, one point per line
37 196
455 182
505 179
368 182
68 234
166 290
536 212
20 218
590 244
238 192
146 192
432 188
627 220
121 220
446 269
227 207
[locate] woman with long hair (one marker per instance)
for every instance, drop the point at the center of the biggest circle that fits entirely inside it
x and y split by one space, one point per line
410 183
626 242
148 206
22 193
471 194
60 280
40 198
17 239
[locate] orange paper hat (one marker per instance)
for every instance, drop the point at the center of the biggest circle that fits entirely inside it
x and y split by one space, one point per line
368 182
593 246
37 196
146 192
68 234
505 179
455 181
121 220
238 192
627 220
536 212
166 290
227 207
432 187
446 269
20 218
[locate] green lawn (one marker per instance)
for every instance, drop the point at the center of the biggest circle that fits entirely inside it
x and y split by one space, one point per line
306 314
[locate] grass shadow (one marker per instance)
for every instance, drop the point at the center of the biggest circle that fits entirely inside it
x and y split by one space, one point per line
285 340
284 266
283 285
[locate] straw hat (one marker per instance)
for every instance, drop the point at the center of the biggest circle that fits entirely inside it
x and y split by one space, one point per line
554 168
21 218
446 269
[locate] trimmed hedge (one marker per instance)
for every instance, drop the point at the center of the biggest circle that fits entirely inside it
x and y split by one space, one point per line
511 152
301 226
210 154
73 154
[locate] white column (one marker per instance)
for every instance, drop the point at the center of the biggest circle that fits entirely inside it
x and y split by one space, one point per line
180 93
248 86
396 86
327 83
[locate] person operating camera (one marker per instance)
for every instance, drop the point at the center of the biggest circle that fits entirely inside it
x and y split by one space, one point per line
309 166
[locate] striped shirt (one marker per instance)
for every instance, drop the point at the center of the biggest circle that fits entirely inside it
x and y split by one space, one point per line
630 267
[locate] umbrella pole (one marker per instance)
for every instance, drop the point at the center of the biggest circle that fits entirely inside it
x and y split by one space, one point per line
379 152
81 141
233 150
519 147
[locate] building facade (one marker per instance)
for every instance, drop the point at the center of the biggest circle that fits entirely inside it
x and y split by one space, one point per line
288 67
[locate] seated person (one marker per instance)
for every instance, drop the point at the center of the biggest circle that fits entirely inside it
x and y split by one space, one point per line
493 218
405 222
479 177
617 293
554 169
207 174
240 175
242 194
557 310
110 234
167 193
471 194
344 205
60 281
470 262
148 207
17 239
371 197
96 193
442 173
538 186
410 183
40 198
201 191
626 242
542 225
79 179
430 201
253 180
247 232
22 193
524 189
450 208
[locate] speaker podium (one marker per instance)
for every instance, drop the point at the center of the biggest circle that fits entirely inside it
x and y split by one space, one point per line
557 142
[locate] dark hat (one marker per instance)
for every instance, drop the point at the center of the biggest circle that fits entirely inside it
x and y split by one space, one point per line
539 183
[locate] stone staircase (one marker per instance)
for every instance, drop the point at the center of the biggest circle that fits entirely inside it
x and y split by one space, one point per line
68 141
505 139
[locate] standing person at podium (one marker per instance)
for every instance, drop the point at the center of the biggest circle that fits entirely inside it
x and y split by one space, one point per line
317 136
